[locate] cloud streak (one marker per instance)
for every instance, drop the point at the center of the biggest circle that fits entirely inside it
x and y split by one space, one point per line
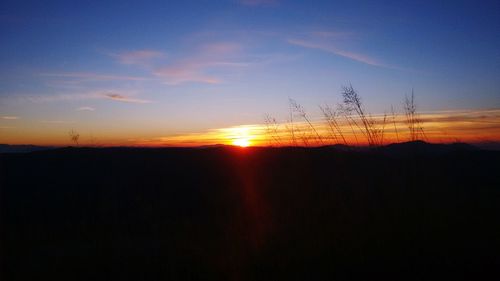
139 57
85 108
122 98
187 71
213 56
334 50
94 95
10 117
88 76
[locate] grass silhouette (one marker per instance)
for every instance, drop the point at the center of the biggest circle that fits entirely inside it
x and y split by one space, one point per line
74 137
349 123
412 119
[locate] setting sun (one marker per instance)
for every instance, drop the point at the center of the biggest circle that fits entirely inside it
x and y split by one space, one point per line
243 142
240 136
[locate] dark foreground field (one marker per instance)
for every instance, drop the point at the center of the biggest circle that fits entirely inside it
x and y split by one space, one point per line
406 212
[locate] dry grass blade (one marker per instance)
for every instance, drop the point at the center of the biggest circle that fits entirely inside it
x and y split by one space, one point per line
272 129
394 123
330 116
300 111
412 120
352 104
74 137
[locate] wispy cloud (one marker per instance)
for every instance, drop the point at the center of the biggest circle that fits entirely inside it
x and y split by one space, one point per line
57 97
190 66
89 76
194 68
10 117
139 57
334 50
185 72
114 95
207 62
122 98
85 108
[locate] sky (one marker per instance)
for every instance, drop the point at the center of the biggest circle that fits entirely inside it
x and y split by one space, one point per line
184 72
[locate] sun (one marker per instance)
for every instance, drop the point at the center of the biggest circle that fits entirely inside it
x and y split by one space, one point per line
242 142
241 136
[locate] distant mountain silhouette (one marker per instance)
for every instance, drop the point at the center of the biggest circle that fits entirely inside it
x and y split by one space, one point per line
341 147
7 148
404 148
488 145
422 147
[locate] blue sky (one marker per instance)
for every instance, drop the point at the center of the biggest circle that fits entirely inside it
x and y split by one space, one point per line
150 68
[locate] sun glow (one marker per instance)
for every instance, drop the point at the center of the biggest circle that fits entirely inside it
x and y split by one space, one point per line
241 137
243 142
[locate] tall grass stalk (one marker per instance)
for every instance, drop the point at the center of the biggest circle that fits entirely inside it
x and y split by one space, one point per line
330 116
352 103
272 129
300 111
74 137
412 119
394 123
350 114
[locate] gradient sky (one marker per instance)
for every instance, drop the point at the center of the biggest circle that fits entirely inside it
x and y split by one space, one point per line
126 71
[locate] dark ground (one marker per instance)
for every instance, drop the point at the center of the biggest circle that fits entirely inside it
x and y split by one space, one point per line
405 212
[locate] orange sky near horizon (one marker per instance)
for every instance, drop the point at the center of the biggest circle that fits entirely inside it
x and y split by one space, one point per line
472 126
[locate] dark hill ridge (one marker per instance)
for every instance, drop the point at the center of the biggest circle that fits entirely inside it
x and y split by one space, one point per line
225 213
7 148
421 147
405 147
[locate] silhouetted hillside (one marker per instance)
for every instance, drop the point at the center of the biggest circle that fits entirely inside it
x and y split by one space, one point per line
225 213
421 147
7 148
